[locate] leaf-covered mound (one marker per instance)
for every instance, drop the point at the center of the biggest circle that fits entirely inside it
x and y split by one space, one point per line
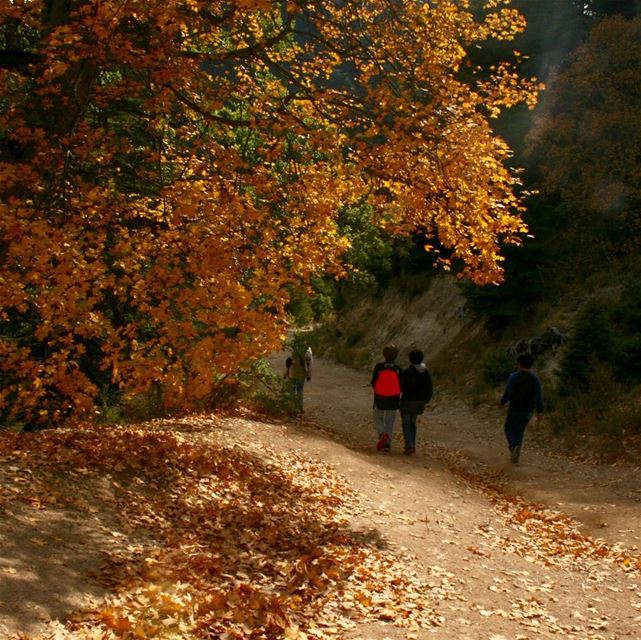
212 540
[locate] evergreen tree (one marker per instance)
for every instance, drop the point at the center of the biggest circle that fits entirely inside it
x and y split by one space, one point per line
592 341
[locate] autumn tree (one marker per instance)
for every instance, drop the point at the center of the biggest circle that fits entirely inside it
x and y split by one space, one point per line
169 170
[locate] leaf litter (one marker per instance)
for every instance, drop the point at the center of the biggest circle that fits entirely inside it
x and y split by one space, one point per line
214 541
244 541
551 537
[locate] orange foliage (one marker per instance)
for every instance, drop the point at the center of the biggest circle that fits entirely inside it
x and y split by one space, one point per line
168 169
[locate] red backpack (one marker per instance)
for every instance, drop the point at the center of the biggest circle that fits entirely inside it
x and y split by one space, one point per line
387 383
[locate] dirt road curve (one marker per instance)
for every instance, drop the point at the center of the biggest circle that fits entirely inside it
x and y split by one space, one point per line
540 550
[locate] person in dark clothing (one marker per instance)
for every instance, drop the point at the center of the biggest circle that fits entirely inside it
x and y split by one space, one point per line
387 392
416 392
523 394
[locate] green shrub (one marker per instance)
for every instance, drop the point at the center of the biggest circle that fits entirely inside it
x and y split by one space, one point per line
591 343
300 308
496 366
266 390
300 341
323 301
354 357
589 411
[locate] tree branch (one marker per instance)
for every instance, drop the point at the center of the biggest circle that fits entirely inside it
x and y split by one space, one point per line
204 112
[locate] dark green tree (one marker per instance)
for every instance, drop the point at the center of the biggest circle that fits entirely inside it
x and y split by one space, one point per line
587 139
592 342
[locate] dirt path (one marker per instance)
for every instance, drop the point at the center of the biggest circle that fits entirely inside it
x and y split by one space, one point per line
604 500
544 549
513 552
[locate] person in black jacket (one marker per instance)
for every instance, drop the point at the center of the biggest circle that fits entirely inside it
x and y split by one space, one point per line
416 389
524 395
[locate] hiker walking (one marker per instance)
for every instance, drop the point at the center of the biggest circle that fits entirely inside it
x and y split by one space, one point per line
416 392
387 392
298 370
309 361
523 395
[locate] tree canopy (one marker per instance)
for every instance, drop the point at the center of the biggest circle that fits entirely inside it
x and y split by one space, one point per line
169 169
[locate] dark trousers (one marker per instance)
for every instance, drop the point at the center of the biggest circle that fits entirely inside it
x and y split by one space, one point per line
410 411
408 421
515 424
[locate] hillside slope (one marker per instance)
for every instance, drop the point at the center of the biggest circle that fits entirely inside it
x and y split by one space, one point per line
433 321
584 336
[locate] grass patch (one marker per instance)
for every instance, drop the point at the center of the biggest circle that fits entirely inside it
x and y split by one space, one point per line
603 421
355 357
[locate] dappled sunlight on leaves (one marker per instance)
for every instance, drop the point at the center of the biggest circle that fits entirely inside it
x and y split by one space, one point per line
214 541
171 171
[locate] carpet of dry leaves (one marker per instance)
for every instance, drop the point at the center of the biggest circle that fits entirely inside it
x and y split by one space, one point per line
230 527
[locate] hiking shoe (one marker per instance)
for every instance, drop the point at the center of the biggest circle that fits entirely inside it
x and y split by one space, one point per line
383 440
515 454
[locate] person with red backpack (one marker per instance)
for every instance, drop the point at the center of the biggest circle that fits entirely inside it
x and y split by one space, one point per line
386 382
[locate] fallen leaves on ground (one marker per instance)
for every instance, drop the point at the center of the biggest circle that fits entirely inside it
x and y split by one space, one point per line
214 541
553 537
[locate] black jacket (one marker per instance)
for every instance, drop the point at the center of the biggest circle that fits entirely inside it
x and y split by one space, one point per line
416 383
523 392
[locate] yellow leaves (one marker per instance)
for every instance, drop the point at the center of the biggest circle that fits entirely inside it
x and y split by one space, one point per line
113 620
234 543
493 4
161 237
504 24
294 633
552 538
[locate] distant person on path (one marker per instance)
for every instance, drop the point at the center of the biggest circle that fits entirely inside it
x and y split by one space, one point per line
416 392
298 370
386 382
523 394
309 359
